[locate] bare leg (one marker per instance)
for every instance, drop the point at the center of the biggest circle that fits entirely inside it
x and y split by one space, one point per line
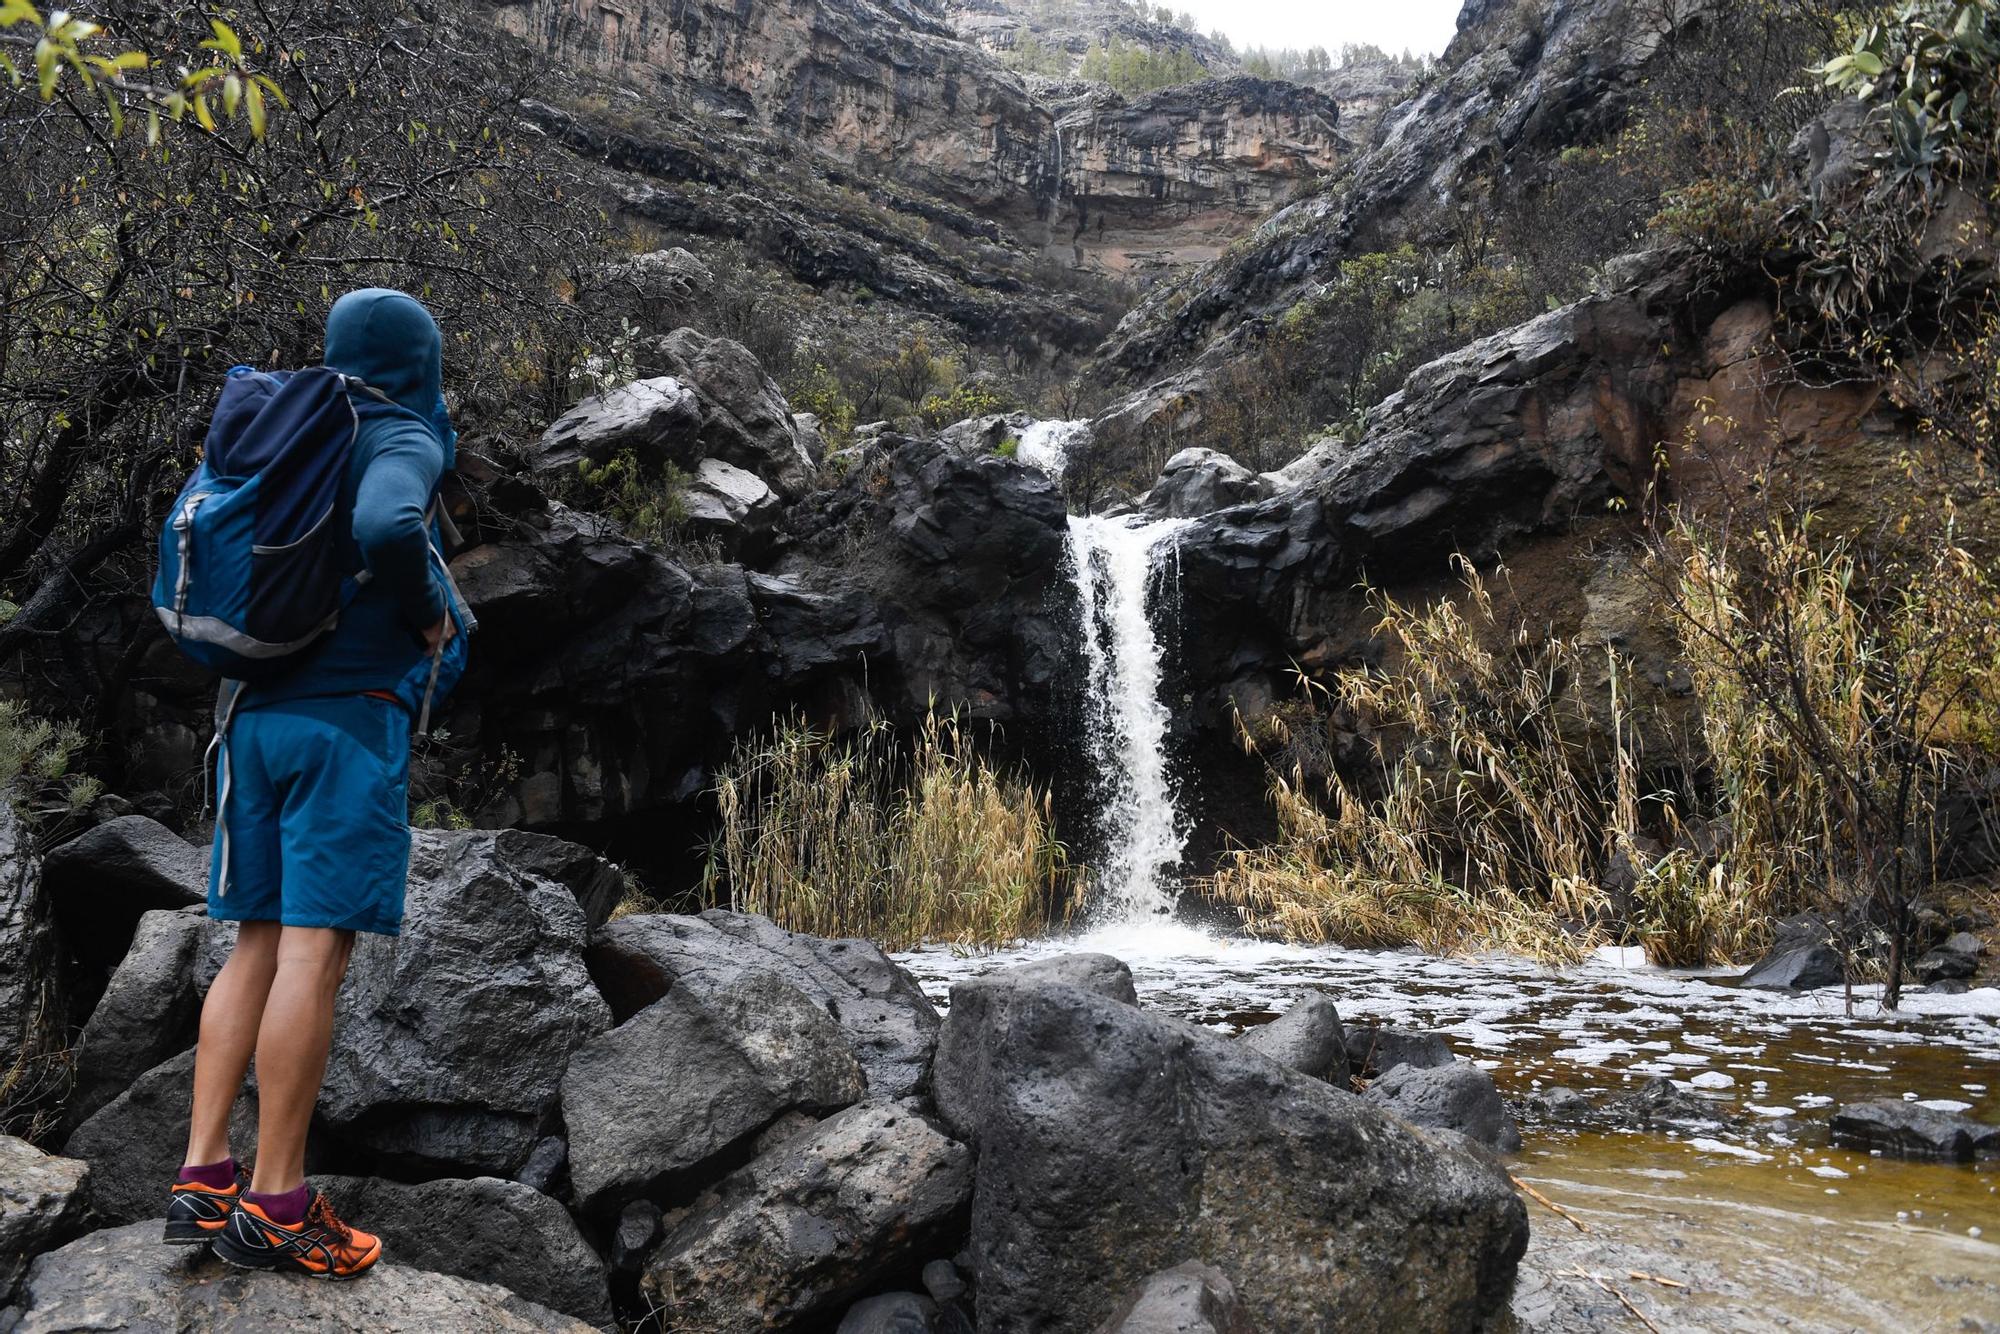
292 1046
229 1021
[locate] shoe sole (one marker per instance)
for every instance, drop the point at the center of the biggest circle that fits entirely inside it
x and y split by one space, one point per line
286 1266
187 1232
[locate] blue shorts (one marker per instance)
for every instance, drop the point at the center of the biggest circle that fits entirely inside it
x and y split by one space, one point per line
315 815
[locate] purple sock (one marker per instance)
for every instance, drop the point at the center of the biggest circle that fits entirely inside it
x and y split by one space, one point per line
216 1176
287 1206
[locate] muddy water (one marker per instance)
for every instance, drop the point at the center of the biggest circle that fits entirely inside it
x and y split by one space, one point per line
1756 1225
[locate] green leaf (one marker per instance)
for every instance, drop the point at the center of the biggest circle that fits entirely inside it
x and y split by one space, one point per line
48 67
256 112
1870 64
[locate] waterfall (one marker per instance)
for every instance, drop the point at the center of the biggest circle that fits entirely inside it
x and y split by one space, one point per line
1121 566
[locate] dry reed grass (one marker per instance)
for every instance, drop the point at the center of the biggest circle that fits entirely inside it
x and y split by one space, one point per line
853 837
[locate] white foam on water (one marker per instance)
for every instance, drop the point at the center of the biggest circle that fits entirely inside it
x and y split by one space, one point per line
1046 444
1707 1145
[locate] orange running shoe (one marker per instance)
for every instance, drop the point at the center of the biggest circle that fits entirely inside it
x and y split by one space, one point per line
320 1244
196 1213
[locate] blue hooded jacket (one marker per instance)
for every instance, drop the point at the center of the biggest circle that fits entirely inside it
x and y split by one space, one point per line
389 340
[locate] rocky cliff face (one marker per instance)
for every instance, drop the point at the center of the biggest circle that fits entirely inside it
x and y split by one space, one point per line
889 91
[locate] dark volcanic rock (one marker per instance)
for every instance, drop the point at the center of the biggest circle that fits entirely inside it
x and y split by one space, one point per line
744 418
1459 1096
1113 1143
1797 968
34 1002
449 1041
1375 1051
100 883
889 1022
1660 1101
1093 972
148 1012
1307 1038
122 1278
1905 1130
801 1230
1956 958
483 1229
42 1205
137 1141
663 1102
1201 481
1190 1298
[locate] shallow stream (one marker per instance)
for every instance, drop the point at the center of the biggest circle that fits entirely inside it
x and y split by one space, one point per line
1759 1225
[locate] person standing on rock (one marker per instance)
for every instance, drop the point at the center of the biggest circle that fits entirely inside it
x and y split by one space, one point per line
312 832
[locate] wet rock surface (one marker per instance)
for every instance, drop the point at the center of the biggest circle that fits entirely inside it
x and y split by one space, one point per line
1099 973
1900 1129
1459 1096
1113 1142
122 1278
1799 967
1375 1050
800 1231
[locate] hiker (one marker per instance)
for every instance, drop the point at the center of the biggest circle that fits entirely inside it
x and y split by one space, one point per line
312 750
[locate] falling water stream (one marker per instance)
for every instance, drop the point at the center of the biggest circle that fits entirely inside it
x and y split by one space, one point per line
1124 570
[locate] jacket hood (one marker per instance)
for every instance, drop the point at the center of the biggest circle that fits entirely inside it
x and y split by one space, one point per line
388 339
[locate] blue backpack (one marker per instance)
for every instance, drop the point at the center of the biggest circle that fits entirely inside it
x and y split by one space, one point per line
255 565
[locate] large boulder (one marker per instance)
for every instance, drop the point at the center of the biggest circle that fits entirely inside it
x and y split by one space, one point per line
1459 1096
1113 1143
450 1041
1093 972
122 1278
656 420
137 1141
743 416
1901 1129
887 1020
1796 967
807 1227
42 1205
671 1098
1375 1051
732 506
1201 481
672 277
1307 1038
149 1010
1190 1298
495 1232
101 882
1956 959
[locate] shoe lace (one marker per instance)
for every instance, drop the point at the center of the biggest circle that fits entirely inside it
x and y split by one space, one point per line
320 1214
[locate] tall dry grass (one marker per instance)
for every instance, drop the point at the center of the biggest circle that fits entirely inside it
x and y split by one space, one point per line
857 837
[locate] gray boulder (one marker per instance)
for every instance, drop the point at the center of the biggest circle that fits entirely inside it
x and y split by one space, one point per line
671 277
137 1141
1093 972
122 1278
1459 1096
657 420
743 416
732 506
1113 1143
499 1232
149 1010
1657 1102
450 1042
1372 1052
632 1240
1956 959
891 1313
1901 1129
42 1204
801 1231
661 1104
130 859
597 884
1307 1038
1196 482
1798 967
886 1018
1190 1298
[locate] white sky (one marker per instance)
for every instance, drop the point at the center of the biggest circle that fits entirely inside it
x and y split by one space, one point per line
1424 26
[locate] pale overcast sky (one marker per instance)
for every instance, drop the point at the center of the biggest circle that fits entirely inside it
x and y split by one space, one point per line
1424 26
